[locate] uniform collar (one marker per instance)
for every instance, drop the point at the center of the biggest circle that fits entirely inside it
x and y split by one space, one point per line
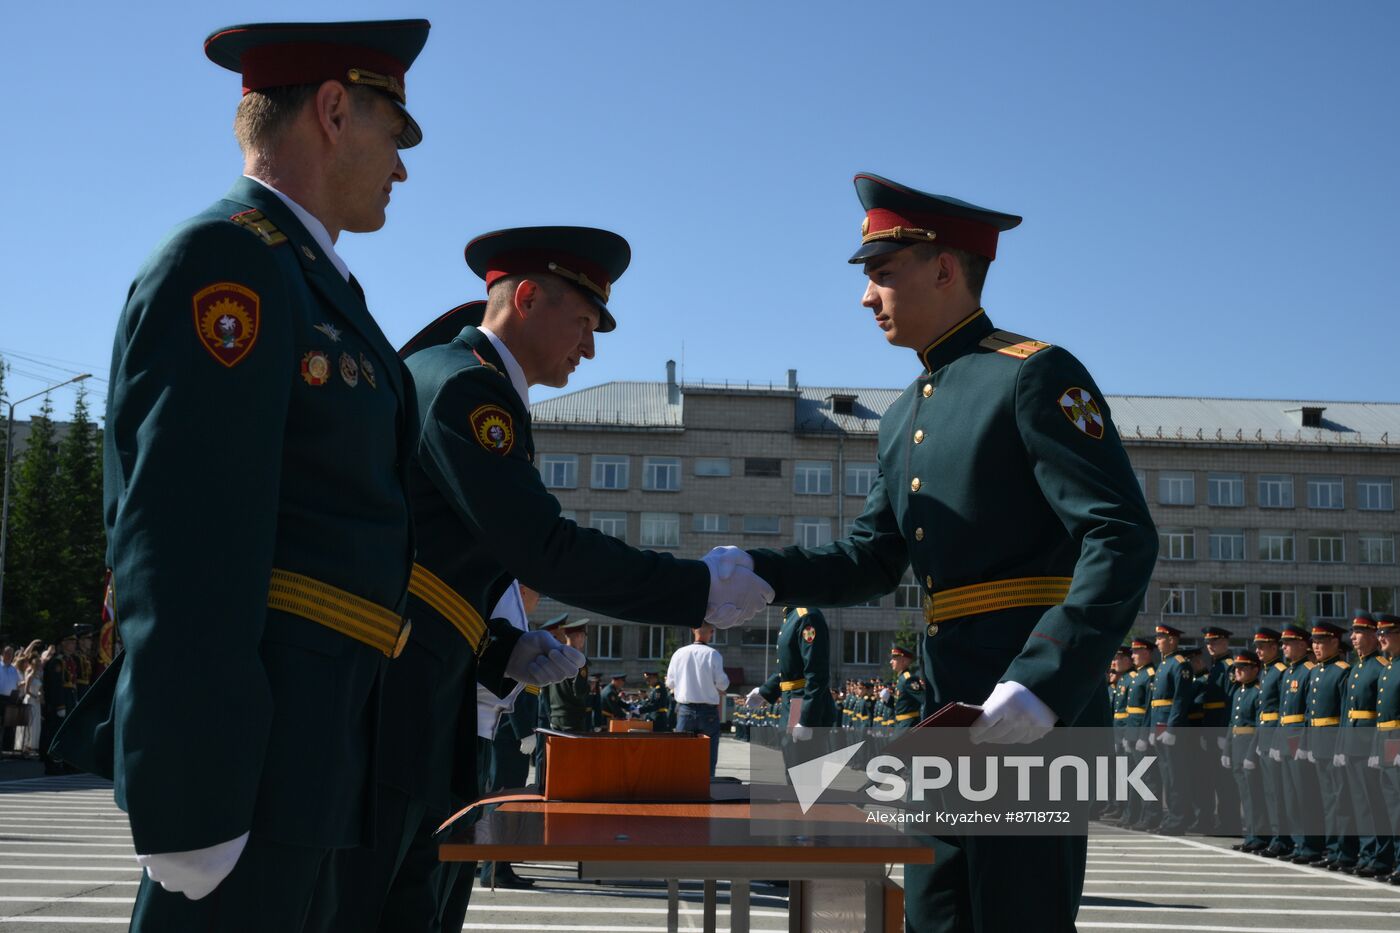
313 226
517 375
956 341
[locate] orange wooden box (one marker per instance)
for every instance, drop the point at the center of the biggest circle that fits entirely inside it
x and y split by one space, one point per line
629 725
626 766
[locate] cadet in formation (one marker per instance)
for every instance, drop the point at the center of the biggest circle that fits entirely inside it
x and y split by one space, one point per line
1003 483
655 708
909 689
802 679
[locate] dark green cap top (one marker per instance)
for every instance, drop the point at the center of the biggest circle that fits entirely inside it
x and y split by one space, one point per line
587 257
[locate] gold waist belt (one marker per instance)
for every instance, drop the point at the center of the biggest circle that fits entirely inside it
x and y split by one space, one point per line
1141 710
1120 715
1268 717
1243 730
1324 721
980 598
1361 714
1388 724
366 622
787 685
1294 719
905 717
446 602
1160 703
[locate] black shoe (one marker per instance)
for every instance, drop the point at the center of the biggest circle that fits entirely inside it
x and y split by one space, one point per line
1368 871
1253 847
1347 867
1165 830
514 881
1238 847
1395 878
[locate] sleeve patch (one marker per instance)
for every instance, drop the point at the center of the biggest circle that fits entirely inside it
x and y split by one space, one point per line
494 429
226 317
809 634
1082 411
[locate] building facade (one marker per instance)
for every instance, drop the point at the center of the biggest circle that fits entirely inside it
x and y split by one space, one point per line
1269 511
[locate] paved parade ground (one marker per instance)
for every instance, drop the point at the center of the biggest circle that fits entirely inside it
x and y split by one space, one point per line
66 865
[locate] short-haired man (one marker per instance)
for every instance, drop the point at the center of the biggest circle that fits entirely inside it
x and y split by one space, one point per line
247 368
909 689
1271 670
1327 687
1375 856
804 660
1141 814
1302 800
1239 758
697 680
1004 486
1173 692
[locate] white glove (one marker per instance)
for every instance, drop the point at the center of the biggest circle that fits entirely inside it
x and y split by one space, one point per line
1339 760
1220 743
195 873
527 745
1140 745
1012 715
754 699
539 659
1249 764
1374 762
62 712
737 594
1311 757
1396 762
801 733
1224 761
1152 738
1168 739
1127 746
1275 755
1300 755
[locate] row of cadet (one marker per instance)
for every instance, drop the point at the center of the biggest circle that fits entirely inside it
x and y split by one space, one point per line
1289 744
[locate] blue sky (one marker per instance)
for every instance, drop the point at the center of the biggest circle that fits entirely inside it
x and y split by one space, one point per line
1209 189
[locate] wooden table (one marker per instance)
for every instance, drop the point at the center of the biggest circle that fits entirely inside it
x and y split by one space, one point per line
836 882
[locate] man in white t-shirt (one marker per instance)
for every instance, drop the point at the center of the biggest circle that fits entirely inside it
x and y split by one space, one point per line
698 681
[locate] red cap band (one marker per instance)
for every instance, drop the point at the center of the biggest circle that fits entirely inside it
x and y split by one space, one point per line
953 232
524 261
290 64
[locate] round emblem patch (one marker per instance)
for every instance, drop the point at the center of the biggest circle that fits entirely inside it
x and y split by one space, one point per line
494 429
349 370
1082 411
315 368
226 319
809 634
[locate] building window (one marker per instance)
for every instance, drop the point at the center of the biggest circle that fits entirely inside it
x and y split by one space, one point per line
610 523
754 636
1178 600
661 474
661 529
1178 545
859 478
721 638
1276 545
1378 598
1375 494
1275 492
762 525
605 642
1228 603
1326 549
711 521
1376 549
559 471
1276 603
609 472
654 641
1225 490
872 603
1227 545
859 647
1330 602
1325 493
711 466
812 532
812 478
763 466
1176 488
909 595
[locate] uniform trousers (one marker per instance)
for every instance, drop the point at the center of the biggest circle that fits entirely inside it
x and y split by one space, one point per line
271 888
1271 775
1336 803
1369 815
1302 800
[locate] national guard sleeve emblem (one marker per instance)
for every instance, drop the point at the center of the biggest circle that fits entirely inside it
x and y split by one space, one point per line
809 634
315 368
1082 411
494 429
226 317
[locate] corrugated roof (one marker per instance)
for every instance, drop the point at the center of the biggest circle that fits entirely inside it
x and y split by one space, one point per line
1149 417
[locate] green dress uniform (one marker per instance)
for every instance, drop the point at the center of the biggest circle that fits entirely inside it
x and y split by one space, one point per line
656 709
1241 749
1172 693
1327 686
1387 739
1375 855
1003 485
1302 796
1218 809
908 700
567 703
1271 771
612 705
1141 814
804 661
248 371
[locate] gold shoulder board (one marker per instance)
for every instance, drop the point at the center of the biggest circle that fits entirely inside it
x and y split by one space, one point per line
255 223
1013 345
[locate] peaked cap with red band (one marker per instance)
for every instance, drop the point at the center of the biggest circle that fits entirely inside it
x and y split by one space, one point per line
1142 644
1361 619
896 217
586 257
368 54
1386 623
1247 657
1326 629
445 328
1266 634
1295 633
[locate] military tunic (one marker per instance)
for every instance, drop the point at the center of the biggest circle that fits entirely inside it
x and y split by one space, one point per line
1173 691
1302 793
1244 763
1327 686
999 468
908 700
1145 814
611 701
656 709
1387 746
567 703
1271 771
804 659
1375 854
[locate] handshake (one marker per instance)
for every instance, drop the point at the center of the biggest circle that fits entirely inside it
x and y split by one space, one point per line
737 594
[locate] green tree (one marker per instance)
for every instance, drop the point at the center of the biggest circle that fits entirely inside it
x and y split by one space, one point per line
80 505
35 556
904 634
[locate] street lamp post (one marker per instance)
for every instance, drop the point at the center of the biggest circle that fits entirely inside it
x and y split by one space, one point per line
9 456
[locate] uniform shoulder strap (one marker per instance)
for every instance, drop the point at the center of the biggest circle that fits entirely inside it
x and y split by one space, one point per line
1344 665
255 223
1280 666
1012 345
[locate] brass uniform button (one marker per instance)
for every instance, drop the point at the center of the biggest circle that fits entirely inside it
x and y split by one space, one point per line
928 390
914 485
929 581
918 534
919 436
